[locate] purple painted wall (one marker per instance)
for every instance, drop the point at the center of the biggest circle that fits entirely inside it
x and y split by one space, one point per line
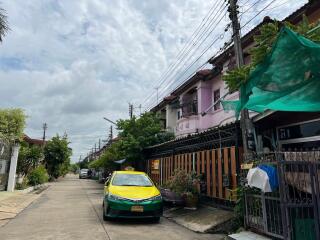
197 123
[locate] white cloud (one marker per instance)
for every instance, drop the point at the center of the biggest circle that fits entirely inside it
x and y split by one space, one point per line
69 63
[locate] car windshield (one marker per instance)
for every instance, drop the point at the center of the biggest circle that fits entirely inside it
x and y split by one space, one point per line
131 180
84 170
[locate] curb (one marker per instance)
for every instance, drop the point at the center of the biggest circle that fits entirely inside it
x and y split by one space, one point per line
41 189
33 188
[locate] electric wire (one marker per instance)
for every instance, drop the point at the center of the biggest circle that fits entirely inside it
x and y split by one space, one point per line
190 42
202 65
186 50
257 14
221 15
265 8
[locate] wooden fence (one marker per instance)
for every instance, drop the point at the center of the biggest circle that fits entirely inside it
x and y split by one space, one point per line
219 168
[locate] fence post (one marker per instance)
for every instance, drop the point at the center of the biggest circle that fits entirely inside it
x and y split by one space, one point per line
313 173
283 207
13 168
193 161
264 212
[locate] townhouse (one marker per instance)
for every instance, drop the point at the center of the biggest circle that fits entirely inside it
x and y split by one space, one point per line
210 144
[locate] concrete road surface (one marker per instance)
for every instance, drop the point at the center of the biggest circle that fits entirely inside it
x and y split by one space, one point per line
71 209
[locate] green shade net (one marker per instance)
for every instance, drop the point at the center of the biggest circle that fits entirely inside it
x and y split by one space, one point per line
288 79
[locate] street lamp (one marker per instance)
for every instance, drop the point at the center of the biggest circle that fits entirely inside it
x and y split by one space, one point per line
109 120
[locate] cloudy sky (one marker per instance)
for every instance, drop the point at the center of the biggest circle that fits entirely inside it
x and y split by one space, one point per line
69 63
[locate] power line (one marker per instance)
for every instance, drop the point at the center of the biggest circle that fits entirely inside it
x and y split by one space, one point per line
221 50
172 79
221 15
187 46
189 43
201 41
281 4
255 3
258 13
190 65
221 36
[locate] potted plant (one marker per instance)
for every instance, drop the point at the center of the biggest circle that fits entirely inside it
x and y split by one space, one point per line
185 185
191 193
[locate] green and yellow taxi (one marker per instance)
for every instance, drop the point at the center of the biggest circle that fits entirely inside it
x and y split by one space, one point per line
131 194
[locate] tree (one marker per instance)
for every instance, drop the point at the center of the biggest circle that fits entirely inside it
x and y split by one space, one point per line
264 41
106 160
57 156
84 163
138 133
29 158
74 167
4 27
135 134
12 123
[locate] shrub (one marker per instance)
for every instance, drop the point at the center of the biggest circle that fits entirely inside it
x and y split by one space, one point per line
184 183
38 175
12 123
22 185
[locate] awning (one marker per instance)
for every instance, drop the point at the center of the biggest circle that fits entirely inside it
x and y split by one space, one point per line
288 79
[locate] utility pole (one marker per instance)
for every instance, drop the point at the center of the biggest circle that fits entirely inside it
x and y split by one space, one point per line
45 127
130 110
245 123
111 133
99 143
140 107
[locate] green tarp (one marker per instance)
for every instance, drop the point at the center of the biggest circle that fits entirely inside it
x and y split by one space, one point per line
288 79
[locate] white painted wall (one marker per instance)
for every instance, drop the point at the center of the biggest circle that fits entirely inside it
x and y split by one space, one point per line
13 168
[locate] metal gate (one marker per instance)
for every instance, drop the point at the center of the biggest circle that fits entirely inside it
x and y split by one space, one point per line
299 175
263 213
5 155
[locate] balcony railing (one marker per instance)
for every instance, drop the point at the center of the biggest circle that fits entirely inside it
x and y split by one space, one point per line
189 108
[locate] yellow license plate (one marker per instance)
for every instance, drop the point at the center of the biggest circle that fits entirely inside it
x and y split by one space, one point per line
137 209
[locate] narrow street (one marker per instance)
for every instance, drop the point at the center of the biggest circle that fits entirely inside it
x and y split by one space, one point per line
71 209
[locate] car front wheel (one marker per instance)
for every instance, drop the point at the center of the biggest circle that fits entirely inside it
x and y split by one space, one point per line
105 217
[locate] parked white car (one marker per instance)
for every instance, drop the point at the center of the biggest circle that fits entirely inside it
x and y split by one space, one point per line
83 173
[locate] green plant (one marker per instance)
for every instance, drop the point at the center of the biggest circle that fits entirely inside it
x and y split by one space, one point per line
12 123
138 133
264 41
38 175
74 167
22 185
184 183
4 27
57 156
29 158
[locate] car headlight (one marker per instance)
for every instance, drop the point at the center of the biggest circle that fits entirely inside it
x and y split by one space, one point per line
156 198
115 197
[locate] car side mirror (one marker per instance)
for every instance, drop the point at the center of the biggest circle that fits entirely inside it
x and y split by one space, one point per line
107 182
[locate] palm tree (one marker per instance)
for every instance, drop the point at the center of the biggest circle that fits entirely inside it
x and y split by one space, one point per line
4 27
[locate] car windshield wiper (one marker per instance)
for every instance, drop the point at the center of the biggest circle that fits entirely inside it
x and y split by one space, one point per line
132 185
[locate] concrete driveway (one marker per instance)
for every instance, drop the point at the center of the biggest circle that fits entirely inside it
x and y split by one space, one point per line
71 209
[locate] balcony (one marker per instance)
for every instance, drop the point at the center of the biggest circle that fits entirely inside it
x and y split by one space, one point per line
187 125
189 108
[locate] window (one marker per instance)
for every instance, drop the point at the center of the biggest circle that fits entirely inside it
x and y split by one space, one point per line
304 130
216 97
189 105
131 180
